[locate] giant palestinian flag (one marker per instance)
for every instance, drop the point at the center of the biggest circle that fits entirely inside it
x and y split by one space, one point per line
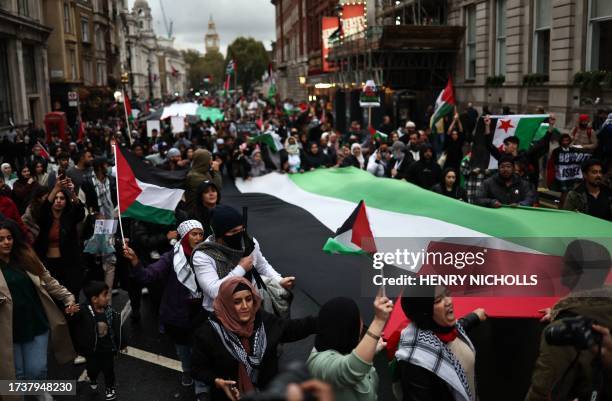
518 240
145 192
526 127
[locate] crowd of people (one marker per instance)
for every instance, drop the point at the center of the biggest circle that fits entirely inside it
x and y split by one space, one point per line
220 301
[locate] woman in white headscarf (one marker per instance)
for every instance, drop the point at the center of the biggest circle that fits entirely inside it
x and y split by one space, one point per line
293 155
9 176
182 297
355 159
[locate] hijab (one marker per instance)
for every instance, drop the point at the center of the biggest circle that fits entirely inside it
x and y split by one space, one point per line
360 159
236 334
225 311
339 326
418 307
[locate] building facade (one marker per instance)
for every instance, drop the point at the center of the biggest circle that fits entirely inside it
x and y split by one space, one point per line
24 79
156 68
528 53
291 58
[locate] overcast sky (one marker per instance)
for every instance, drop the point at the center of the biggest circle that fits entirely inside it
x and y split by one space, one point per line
234 18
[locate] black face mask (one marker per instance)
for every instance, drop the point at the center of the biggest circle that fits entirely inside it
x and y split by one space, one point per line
233 241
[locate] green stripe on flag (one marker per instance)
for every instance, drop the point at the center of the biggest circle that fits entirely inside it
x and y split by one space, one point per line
526 131
151 214
545 225
441 112
336 247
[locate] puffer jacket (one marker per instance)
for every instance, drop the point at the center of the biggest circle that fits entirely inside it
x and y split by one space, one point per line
554 361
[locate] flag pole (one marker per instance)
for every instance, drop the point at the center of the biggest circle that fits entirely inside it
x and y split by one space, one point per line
127 120
115 150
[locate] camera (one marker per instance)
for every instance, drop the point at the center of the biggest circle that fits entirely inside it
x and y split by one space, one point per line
576 331
294 372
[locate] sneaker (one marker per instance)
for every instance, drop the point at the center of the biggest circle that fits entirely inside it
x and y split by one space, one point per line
93 384
111 394
79 360
186 380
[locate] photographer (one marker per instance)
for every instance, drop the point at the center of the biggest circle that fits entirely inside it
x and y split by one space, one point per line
564 370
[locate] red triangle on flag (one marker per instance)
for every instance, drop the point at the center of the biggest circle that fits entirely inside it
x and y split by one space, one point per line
127 186
362 233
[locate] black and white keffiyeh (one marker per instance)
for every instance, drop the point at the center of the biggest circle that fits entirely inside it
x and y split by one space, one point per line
423 348
184 272
232 344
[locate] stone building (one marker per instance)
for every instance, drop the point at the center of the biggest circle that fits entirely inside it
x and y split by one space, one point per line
291 57
527 53
24 78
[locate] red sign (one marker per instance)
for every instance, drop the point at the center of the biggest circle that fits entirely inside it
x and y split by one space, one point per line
353 20
329 26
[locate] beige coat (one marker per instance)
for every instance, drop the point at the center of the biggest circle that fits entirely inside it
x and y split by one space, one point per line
48 289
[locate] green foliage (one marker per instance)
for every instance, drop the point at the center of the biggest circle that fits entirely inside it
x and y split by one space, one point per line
251 59
496 80
535 79
593 80
201 66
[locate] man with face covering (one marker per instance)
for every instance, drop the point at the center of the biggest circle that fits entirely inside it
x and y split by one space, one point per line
425 172
221 256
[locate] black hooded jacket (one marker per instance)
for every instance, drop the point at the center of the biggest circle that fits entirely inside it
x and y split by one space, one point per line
425 173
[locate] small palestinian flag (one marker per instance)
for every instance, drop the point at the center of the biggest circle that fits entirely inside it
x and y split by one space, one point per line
145 192
128 107
377 134
355 236
445 104
270 138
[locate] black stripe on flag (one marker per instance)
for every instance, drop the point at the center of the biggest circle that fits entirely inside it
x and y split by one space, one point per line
153 175
350 222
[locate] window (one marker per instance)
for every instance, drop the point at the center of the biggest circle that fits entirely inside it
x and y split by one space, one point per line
67 19
23 7
87 72
541 42
85 29
599 39
100 40
5 94
29 67
500 38
73 64
470 42
101 74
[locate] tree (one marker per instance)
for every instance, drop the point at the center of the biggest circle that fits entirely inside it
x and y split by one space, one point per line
251 59
200 67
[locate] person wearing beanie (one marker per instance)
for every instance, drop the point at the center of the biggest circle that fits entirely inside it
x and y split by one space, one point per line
586 265
222 256
436 359
180 303
505 187
174 161
583 135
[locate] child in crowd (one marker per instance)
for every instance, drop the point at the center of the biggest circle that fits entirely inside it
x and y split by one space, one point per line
97 335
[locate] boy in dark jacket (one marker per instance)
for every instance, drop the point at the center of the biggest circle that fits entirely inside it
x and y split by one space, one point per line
96 333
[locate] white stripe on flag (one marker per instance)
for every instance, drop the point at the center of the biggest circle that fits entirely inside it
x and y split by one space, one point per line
159 197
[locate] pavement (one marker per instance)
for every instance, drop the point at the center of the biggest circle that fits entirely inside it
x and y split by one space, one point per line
150 370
